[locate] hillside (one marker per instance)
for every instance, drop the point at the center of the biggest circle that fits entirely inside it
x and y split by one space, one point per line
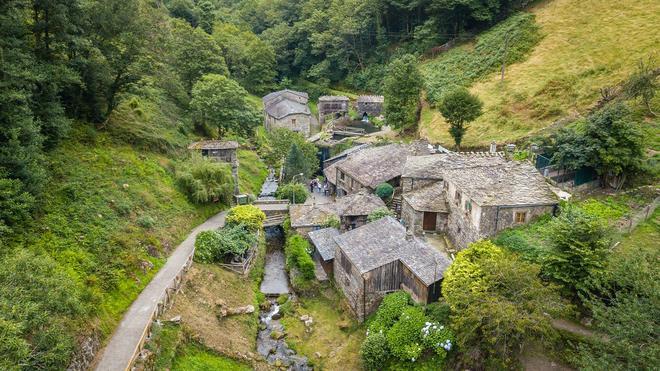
585 46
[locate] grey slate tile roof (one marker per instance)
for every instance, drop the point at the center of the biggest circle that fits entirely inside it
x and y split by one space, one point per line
214 144
311 215
361 203
267 98
332 98
384 241
324 241
375 165
281 107
433 166
371 98
430 198
513 183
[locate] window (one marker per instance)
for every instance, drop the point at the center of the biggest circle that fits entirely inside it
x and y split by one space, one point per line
520 217
341 175
293 121
457 197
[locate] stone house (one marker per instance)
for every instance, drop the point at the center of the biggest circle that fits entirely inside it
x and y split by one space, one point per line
379 258
310 217
222 151
370 105
329 166
369 167
324 244
288 109
425 209
332 105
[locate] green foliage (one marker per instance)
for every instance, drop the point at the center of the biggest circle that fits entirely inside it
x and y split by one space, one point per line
405 337
459 108
461 67
276 146
402 87
196 357
296 193
643 84
579 246
296 165
379 213
15 206
220 104
624 305
438 312
297 251
246 215
389 311
384 191
498 303
374 351
331 222
217 245
437 337
204 181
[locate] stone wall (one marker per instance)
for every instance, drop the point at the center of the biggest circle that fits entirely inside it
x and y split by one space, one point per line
494 220
348 185
350 283
410 184
415 219
302 123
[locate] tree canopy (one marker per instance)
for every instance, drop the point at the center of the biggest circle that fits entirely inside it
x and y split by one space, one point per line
459 108
402 88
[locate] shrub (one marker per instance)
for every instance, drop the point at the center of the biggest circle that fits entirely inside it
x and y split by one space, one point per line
204 181
384 191
379 213
437 337
146 221
389 311
247 215
206 246
214 246
438 311
15 204
331 222
374 351
296 193
297 251
405 337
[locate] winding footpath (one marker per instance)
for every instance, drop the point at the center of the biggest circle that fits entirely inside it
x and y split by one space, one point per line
127 340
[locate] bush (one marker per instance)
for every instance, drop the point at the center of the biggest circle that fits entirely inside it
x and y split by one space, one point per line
379 213
146 221
389 311
297 251
215 246
437 337
15 205
247 215
204 181
405 337
331 222
384 191
438 312
374 351
296 193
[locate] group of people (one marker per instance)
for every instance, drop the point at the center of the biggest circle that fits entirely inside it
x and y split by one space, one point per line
314 184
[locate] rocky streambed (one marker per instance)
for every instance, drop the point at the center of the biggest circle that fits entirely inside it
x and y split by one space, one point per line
271 342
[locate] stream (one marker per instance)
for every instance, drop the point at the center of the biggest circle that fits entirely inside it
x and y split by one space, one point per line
271 342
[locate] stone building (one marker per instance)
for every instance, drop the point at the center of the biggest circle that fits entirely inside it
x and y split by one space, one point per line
332 105
222 151
369 167
370 105
379 258
310 217
425 209
324 244
288 109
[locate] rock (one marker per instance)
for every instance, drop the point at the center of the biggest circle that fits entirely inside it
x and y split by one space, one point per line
277 335
221 303
262 326
265 306
309 322
175 319
277 316
318 355
343 325
332 354
146 266
304 318
278 363
125 185
241 310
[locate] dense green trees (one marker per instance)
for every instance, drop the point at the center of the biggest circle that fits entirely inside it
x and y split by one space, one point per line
275 146
204 181
459 108
402 87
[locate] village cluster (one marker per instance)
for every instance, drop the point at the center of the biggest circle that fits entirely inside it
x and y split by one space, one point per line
442 202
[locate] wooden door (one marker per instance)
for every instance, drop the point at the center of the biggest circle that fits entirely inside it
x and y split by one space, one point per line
429 221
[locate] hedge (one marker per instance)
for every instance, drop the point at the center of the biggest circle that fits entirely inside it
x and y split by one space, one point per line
297 251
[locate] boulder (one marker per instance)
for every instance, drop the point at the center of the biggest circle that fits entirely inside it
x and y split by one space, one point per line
277 335
175 319
241 310
277 315
304 318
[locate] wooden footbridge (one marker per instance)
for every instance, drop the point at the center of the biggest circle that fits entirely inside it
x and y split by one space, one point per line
276 211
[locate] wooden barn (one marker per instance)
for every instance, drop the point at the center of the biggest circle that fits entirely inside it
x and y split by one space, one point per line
379 258
324 247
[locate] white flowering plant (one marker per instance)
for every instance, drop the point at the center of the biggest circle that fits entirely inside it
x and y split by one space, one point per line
437 337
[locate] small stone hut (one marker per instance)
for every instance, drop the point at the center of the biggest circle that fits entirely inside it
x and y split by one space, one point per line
379 258
425 209
288 109
371 105
354 209
222 151
310 217
324 247
328 105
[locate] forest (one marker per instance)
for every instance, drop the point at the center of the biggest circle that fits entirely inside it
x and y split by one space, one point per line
99 99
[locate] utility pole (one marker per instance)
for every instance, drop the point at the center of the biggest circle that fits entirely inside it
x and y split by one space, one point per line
506 50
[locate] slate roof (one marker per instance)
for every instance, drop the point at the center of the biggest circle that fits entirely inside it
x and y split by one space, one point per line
276 94
330 172
311 215
361 203
430 198
323 240
371 98
376 165
510 184
282 106
384 241
214 144
332 98
433 166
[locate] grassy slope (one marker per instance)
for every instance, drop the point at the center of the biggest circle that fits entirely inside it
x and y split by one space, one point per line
251 172
587 45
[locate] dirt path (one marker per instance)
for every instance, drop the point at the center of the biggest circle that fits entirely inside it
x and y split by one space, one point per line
127 339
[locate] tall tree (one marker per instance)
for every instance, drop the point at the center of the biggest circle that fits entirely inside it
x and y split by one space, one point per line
296 164
402 87
459 108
